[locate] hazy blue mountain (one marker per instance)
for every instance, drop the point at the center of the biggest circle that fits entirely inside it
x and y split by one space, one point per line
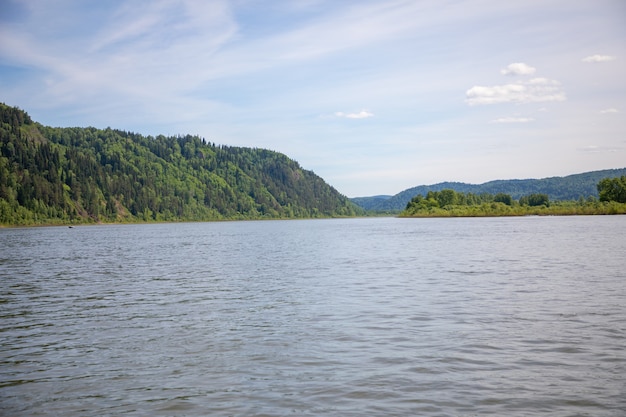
571 187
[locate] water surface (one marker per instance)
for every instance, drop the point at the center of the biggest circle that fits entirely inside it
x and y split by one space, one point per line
381 316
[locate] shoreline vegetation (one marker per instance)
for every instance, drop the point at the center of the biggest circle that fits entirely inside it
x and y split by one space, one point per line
562 208
449 203
91 222
419 207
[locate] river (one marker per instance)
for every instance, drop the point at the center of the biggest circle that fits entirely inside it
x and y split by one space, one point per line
343 317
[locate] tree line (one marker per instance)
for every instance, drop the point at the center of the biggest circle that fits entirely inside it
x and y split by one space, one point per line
54 175
450 203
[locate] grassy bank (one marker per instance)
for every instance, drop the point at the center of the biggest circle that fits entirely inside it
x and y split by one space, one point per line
497 209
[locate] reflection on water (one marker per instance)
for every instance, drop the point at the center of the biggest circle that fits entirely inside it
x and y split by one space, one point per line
516 316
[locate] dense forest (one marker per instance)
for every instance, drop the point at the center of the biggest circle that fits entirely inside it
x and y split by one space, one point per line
54 175
569 188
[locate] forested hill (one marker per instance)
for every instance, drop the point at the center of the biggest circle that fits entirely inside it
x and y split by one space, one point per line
571 187
63 175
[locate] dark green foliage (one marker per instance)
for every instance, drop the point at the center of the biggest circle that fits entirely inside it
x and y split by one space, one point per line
60 175
503 198
535 200
447 199
571 187
613 189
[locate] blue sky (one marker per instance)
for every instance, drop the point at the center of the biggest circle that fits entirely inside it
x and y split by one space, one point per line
373 96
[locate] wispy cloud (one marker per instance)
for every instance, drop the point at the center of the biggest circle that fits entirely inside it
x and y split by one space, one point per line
536 90
512 120
599 58
518 68
609 111
363 114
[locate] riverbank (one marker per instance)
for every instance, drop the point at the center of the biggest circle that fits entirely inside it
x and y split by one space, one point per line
560 208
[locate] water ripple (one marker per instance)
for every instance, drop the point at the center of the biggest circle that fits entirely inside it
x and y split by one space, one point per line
441 317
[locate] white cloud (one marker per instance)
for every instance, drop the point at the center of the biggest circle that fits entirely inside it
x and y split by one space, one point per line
518 68
599 58
610 110
512 120
542 81
535 90
363 114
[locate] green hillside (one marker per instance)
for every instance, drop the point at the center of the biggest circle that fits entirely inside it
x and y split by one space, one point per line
571 187
70 175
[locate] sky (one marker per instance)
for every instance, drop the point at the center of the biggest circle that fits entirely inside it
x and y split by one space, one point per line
374 96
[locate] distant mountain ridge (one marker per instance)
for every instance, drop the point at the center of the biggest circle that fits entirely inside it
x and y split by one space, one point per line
570 187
